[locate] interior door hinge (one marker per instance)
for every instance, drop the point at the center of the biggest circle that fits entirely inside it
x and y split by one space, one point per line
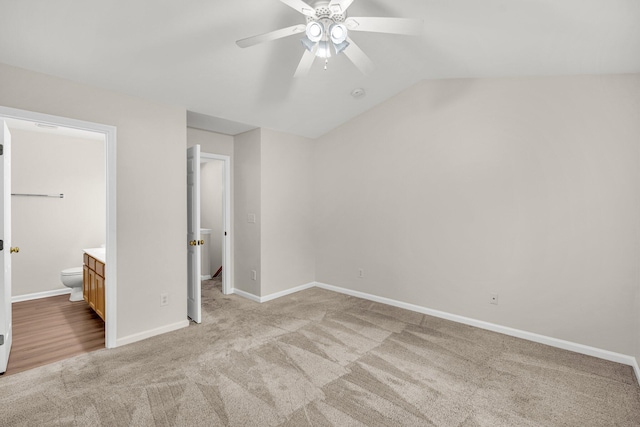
1 245
1 149
1 339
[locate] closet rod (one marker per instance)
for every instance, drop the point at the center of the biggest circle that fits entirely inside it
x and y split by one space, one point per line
58 196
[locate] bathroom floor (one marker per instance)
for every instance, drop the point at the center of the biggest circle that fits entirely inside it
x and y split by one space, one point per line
50 329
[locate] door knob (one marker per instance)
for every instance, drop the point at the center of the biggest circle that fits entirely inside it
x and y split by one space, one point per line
193 243
16 249
202 242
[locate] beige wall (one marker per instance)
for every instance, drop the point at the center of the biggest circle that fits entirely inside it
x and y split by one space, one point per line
210 142
288 254
246 176
51 232
526 187
273 181
151 192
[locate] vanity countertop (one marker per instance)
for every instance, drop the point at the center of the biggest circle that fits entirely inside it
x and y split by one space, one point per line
97 253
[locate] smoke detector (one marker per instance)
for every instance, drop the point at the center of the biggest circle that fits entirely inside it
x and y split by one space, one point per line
358 93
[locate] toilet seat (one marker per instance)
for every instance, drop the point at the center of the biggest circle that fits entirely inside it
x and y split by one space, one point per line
75 271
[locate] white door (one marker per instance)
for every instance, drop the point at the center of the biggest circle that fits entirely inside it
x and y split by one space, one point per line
5 253
193 234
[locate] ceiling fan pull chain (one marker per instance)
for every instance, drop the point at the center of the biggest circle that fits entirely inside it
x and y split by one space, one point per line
326 61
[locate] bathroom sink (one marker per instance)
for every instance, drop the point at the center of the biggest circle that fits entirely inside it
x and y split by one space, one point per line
97 253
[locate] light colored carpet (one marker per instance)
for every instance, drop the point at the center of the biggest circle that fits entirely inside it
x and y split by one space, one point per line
318 358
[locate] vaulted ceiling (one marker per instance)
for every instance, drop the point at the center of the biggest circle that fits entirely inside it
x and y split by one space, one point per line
184 53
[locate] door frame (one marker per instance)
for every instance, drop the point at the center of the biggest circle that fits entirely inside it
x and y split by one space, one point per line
109 132
227 287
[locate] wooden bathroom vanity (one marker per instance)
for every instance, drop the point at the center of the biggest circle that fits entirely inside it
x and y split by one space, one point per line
93 280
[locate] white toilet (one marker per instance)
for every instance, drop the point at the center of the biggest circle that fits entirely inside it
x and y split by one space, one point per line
72 278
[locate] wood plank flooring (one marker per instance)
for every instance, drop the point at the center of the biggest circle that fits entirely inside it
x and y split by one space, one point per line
51 329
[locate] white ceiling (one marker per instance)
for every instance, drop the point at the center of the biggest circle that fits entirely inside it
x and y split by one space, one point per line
184 53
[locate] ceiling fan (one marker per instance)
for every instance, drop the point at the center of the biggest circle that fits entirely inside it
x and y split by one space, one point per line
327 31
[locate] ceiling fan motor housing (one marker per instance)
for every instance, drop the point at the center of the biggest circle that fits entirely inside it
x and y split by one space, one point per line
325 17
324 12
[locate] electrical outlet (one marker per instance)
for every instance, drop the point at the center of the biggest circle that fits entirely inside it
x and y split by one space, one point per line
164 299
254 275
493 299
361 273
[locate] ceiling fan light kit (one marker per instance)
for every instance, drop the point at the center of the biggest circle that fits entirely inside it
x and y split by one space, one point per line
338 33
324 49
315 32
327 29
341 46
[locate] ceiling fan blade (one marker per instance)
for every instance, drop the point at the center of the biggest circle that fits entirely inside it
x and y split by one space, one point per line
306 62
409 27
358 57
339 6
273 35
300 6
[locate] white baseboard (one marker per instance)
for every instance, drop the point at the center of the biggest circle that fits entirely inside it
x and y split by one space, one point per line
275 295
206 277
38 295
287 292
530 336
151 333
636 369
246 295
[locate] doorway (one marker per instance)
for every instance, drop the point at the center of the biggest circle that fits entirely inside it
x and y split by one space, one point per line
109 136
214 240
215 204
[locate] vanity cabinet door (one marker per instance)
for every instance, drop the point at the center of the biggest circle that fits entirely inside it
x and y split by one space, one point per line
99 296
92 289
85 283
93 284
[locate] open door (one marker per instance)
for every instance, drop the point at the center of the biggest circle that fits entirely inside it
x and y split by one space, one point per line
5 245
193 234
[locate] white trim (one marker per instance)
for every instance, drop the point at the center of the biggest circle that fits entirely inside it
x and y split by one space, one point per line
530 336
246 295
38 295
111 264
636 369
275 295
111 232
287 292
227 261
151 333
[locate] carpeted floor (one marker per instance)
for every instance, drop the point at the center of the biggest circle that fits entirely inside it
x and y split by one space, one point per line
318 358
